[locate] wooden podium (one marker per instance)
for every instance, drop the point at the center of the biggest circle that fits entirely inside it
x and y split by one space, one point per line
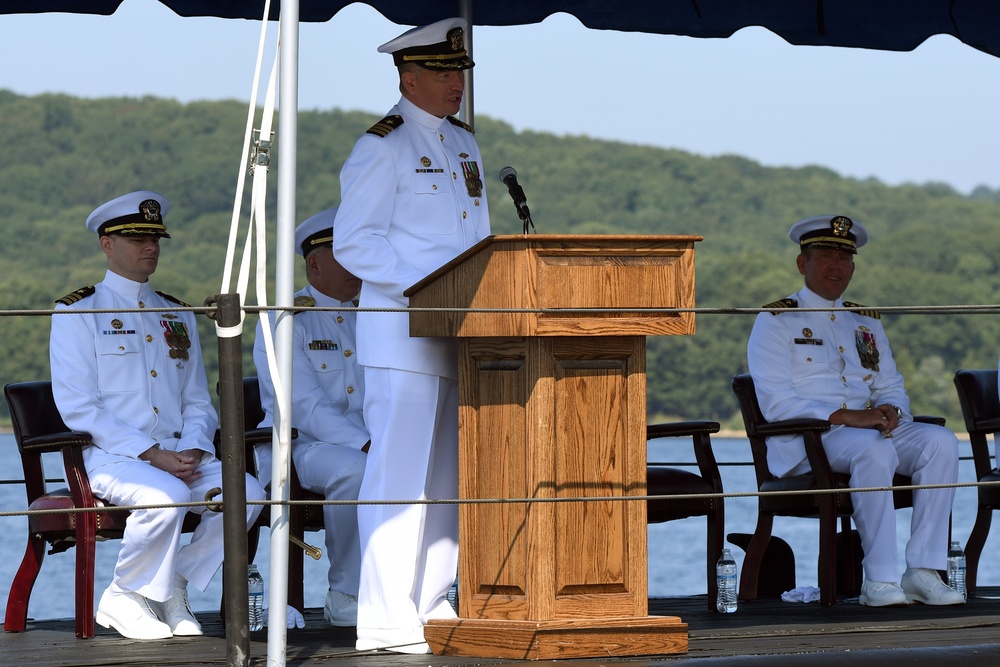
553 405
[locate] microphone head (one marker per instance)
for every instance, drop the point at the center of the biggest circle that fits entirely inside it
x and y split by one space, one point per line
506 173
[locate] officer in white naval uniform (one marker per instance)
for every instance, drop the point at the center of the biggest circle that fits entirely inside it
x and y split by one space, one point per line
328 392
838 366
135 381
412 198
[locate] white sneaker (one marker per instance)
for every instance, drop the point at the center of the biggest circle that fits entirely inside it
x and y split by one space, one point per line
130 614
176 613
924 585
882 594
341 609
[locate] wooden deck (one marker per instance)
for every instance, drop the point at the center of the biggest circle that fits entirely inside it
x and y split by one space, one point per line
765 632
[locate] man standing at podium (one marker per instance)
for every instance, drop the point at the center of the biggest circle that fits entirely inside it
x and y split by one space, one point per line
412 199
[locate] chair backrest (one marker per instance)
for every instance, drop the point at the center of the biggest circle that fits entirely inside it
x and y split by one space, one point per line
253 413
33 411
979 398
753 418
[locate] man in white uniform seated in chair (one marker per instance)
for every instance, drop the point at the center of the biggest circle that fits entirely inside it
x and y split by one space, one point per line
328 393
136 382
837 365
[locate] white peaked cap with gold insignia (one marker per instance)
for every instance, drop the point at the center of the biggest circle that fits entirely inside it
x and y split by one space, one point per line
138 213
829 231
438 46
315 231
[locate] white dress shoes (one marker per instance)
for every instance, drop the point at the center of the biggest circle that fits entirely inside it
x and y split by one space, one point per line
131 615
882 594
397 640
176 613
925 585
341 609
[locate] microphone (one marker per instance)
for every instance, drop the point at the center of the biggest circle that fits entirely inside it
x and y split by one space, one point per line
509 178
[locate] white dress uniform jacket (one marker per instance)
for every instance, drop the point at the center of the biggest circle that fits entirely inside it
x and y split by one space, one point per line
809 364
328 392
113 374
135 380
406 210
328 387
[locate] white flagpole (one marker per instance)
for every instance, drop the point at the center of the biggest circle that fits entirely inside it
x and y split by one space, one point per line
288 95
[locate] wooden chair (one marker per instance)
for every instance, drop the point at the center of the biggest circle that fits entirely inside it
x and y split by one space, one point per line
301 517
39 429
828 507
977 393
665 480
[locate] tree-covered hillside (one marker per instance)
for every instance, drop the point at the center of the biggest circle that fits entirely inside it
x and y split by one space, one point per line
930 245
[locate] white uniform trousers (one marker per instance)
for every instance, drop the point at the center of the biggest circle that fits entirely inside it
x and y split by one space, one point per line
925 452
335 472
409 553
149 554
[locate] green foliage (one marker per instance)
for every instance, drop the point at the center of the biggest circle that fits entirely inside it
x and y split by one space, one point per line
931 246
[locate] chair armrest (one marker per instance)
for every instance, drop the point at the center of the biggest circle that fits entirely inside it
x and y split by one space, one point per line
259 436
76 474
793 427
255 436
933 419
700 434
987 426
677 429
54 442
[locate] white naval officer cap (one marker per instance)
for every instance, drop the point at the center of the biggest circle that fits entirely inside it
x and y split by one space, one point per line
315 231
438 46
829 231
138 213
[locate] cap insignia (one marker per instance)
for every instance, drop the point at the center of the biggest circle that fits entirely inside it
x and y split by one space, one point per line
457 39
841 225
150 210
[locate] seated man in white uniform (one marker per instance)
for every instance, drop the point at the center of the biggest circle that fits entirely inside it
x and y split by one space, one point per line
136 382
327 397
837 365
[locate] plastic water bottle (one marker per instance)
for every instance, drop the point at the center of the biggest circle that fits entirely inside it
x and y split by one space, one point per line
956 567
255 586
725 576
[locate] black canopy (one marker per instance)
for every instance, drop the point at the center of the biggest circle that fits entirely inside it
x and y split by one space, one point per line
894 25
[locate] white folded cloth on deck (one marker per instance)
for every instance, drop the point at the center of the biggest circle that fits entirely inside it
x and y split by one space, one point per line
801 594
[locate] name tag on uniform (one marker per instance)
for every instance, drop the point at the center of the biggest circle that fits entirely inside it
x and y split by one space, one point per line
808 341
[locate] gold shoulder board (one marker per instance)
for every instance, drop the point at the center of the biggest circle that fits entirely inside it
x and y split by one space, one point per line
385 126
782 303
457 123
864 312
304 301
174 299
73 297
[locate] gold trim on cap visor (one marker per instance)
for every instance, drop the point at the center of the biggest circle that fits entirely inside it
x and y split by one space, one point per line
838 240
320 241
136 226
442 56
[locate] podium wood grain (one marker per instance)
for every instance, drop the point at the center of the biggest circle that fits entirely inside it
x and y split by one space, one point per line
553 406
